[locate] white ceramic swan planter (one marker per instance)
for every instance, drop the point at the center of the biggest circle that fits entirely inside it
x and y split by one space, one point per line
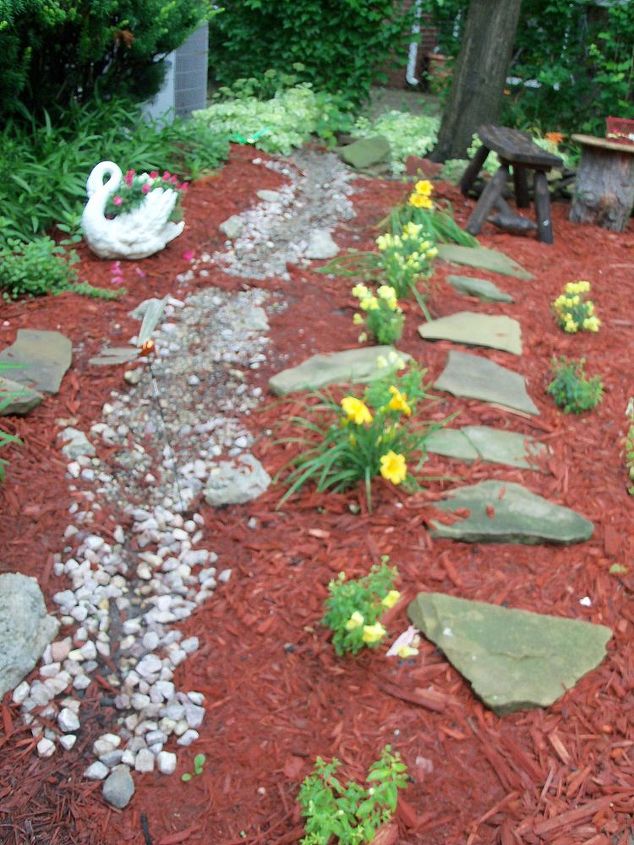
134 234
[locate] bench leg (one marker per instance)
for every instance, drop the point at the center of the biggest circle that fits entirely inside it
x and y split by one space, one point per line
487 200
473 168
542 208
522 198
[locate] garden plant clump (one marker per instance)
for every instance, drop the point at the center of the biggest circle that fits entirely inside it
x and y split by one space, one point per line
571 390
377 435
573 311
407 134
354 608
383 317
436 224
350 813
136 187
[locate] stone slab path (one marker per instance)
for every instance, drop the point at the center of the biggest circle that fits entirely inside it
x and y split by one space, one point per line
473 329
482 288
44 356
477 378
514 659
485 259
484 443
504 512
357 366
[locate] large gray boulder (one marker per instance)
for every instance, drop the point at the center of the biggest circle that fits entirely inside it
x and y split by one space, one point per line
25 628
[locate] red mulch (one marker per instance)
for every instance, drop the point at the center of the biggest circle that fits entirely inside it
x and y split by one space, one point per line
277 696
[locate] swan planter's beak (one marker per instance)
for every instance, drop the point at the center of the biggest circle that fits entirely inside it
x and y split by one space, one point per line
132 218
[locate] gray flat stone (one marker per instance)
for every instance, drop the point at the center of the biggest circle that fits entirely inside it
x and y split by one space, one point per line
477 378
366 151
232 227
515 515
481 442
514 659
482 288
25 628
321 245
16 399
357 366
44 356
237 481
484 259
473 329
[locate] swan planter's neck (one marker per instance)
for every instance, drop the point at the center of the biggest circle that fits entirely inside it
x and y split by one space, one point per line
135 234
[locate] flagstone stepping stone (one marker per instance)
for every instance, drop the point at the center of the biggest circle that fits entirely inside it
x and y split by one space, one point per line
366 151
504 512
473 329
481 442
25 628
44 358
514 659
483 258
477 378
16 399
482 288
350 366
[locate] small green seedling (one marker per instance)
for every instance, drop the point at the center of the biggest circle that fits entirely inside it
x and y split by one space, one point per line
199 762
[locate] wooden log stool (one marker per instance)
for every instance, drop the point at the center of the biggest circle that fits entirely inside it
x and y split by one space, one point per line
516 150
604 189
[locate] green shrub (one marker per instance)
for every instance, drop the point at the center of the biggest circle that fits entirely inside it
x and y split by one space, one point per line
63 51
43 168
339 43
350 814
41 267
570 388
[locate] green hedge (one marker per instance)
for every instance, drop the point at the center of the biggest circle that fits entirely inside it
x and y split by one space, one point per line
340 43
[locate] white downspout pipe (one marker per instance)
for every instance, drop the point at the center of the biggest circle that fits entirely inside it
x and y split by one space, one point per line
412 54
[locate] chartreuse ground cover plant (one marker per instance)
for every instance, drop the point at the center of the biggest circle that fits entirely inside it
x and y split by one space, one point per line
43 266
382 316
350 814
573 311
360 439
354 608
408 134
571 390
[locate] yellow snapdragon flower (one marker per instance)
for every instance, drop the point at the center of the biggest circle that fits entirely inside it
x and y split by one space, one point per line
355 621
360 291
393 467
391 598
373 633
369 303
398 402
356 410
412 230
591 324
358 320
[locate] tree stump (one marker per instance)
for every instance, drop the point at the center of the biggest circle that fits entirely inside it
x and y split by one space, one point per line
604 190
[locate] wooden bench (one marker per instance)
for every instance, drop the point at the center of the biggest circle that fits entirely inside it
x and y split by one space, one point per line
518 151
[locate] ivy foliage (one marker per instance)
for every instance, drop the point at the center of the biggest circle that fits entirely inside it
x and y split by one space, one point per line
340 43
59 51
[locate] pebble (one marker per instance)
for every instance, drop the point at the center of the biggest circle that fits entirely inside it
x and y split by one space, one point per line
118 788
67 720
45 747
166 762
144 761
67 741
96 771
187 738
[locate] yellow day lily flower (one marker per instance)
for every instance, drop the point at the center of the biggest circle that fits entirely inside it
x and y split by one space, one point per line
373 633
398 402
419 201
424 187
391 598
356 410
393 467
355 621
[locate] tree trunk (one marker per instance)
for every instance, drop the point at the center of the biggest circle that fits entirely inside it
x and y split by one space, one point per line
479 76
604 189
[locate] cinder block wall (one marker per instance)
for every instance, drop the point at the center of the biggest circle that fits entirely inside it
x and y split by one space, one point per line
190 73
